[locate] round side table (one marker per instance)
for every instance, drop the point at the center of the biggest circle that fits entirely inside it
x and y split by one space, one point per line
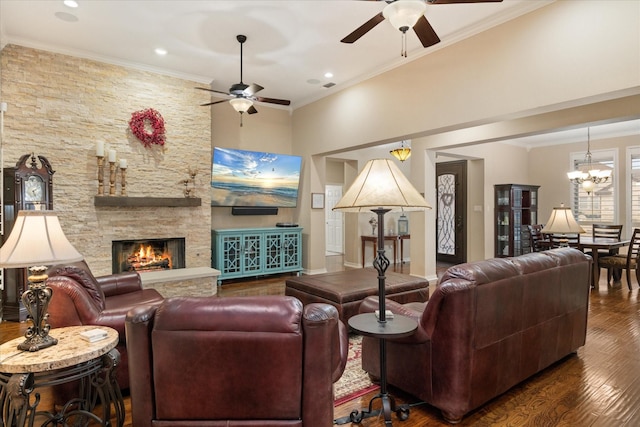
91 364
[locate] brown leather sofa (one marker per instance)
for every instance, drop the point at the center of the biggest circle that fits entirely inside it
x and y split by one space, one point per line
488 326
79 298
237 361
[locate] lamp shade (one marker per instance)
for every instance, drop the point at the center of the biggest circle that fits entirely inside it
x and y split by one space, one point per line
37 239
403 14
380 184
241 105
562 221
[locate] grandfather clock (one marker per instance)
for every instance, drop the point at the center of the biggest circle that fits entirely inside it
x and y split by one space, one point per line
27 186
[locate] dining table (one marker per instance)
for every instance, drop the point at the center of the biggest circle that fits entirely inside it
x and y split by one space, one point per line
596 244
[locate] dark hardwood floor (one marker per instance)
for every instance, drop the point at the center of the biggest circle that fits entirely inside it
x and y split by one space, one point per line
598 386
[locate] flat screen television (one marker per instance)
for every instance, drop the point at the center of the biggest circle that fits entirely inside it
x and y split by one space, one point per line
242 178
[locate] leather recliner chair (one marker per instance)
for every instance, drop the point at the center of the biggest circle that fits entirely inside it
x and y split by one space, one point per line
79 298
237 361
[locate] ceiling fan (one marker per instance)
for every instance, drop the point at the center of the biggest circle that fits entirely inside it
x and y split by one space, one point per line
244 94
405 14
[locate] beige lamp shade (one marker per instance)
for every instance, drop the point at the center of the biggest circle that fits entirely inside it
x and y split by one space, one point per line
562 221
37 239
380 184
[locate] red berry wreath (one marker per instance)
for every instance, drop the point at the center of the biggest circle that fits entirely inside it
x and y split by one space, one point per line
151 118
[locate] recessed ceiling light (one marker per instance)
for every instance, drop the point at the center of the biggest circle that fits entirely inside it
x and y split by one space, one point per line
328 74
161 51
71 3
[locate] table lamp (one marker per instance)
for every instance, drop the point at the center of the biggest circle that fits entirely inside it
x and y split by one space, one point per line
37 240
381 187
562 222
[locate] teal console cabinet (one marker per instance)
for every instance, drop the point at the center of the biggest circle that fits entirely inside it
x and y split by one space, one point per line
243 252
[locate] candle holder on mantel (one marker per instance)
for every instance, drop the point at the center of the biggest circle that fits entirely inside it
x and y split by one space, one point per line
123 179
100 175
112 178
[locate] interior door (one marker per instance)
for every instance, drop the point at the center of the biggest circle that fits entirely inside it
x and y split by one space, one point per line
334 220
451 182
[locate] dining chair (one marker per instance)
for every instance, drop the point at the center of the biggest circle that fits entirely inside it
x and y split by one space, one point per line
607 231
557 240
536 238
628 261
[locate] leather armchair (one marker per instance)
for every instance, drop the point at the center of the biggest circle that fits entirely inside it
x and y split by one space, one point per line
237 361
79 298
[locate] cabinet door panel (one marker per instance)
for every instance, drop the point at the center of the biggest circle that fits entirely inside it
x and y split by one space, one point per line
252 261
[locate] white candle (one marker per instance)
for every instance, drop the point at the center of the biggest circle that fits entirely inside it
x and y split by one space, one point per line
123 163
112 156
100 148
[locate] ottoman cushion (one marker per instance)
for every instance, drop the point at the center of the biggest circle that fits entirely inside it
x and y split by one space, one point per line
346 289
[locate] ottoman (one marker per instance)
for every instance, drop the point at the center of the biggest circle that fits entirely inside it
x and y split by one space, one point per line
345 290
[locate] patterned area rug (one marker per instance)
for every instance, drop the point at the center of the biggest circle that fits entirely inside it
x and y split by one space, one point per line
354 381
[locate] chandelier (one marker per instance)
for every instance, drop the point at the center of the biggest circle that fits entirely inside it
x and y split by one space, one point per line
589 174
402 153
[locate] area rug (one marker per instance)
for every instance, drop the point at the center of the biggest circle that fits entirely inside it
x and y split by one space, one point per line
354 382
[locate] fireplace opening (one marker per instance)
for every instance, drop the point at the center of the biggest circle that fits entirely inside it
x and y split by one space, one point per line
148 254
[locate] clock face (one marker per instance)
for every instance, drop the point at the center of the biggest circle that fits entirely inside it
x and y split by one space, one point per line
34 190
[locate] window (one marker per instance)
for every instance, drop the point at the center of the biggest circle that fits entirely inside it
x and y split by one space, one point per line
633 186
600 205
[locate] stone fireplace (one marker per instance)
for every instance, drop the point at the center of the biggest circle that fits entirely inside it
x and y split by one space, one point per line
148 254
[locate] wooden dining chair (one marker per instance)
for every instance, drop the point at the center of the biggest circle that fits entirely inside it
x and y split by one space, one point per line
536 238
557 240
628 261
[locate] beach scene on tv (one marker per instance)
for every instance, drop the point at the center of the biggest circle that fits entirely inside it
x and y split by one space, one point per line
254 178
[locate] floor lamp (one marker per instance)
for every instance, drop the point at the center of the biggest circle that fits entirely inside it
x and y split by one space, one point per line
381 187
36 241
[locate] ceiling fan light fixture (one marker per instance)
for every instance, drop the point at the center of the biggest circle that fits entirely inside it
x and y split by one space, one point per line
241 105
403 14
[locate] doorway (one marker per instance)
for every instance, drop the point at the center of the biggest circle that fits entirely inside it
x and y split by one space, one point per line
334 228
451 230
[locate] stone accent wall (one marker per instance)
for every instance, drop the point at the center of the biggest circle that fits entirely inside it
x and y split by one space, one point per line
59 106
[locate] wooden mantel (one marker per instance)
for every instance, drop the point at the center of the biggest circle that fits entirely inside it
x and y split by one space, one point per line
147 201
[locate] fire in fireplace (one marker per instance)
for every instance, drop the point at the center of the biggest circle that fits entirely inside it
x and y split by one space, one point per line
148 254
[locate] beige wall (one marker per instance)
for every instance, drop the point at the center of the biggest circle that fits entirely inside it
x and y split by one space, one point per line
566 64
59 106
269 130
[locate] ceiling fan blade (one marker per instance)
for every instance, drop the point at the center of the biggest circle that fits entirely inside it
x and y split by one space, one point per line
211 103
462 1
425 32
212 90
363 29
252 110
273 100
253 88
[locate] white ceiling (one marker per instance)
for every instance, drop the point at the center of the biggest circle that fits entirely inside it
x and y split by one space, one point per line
290 44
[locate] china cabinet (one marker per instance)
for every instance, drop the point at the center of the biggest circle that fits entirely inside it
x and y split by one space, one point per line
516 206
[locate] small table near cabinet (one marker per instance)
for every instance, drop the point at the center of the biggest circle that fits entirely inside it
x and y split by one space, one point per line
395 239
73 359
